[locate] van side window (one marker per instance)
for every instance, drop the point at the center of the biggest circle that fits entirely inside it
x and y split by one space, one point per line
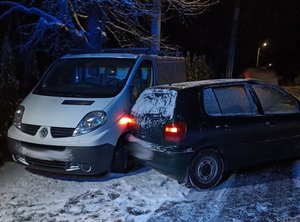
144 76
229 100
275 101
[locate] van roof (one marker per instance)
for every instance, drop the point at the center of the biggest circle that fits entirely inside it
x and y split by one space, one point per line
102 55
203 83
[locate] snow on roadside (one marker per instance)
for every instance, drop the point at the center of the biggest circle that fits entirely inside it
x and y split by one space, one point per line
26 196
296 171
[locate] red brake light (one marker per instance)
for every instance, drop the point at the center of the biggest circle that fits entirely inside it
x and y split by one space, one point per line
175 132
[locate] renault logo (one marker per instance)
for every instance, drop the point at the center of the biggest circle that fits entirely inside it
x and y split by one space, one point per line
44 132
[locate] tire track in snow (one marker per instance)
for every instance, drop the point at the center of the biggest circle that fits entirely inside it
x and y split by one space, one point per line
263 194
202 205
296 174
296 179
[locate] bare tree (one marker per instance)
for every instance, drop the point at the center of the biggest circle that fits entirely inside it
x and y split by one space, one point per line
87 23
61 25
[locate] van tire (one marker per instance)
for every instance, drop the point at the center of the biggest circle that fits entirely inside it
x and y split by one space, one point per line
120 158
206 169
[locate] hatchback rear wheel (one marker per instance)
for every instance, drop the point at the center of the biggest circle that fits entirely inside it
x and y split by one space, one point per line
206 169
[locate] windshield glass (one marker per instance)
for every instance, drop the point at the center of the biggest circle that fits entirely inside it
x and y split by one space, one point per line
85 77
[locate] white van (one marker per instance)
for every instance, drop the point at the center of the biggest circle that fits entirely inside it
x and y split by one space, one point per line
75 119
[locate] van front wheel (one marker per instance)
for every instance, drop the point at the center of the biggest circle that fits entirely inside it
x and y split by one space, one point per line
120 159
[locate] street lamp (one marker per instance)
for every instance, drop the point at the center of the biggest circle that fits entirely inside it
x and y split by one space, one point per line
258 52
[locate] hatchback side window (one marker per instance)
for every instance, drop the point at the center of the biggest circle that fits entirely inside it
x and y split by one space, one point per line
144 76
229 100
275 101
210 102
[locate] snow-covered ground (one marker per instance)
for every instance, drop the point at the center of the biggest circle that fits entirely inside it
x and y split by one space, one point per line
270 193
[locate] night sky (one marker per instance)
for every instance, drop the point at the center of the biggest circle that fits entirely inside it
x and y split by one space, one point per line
274 21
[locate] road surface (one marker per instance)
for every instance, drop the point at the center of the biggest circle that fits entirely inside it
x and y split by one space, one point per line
267 193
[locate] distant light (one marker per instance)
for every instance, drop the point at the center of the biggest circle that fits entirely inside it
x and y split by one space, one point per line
270 64
265 44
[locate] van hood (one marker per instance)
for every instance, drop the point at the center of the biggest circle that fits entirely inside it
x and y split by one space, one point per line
60 111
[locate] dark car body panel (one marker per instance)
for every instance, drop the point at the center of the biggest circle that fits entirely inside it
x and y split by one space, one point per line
172 162
242 139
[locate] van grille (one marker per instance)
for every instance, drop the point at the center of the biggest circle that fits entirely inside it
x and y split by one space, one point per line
30 129
59 132
40 146
46 163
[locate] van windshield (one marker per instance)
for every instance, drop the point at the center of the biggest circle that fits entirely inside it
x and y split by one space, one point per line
85 77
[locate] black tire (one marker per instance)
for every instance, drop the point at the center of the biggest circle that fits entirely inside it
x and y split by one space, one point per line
120 162
206 169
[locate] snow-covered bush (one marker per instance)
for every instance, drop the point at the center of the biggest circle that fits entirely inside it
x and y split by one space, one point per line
197 68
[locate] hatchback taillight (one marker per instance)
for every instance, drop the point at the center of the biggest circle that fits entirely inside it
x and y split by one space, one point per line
175 132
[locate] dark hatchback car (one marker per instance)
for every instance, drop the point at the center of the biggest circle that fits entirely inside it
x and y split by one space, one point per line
196 131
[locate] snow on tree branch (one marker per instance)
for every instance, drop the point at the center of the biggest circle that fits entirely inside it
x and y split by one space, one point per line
86 24
190 7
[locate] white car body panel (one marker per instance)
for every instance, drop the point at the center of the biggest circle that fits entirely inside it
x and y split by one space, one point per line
49 110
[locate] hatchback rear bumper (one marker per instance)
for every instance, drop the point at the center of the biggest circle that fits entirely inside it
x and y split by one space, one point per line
63 159
172 163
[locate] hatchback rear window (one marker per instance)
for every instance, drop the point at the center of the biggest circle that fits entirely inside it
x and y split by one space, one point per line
156 101
229 100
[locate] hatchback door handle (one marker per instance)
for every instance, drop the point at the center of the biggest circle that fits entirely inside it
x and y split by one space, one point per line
270 124
225 127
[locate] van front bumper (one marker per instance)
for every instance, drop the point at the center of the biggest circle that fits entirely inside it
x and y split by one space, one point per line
63 159
163 159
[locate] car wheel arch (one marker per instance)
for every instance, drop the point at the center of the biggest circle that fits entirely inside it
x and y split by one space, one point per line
220 166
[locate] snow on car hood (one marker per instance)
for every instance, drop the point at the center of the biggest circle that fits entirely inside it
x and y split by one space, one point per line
49 111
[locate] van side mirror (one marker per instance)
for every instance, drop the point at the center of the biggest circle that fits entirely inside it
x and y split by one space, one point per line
134 93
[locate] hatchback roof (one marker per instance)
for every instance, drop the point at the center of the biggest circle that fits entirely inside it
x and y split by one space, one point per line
204 83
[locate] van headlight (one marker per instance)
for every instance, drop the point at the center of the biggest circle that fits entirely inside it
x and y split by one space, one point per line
18 117
90 122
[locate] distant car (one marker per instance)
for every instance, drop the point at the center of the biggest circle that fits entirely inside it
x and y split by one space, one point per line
196 131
